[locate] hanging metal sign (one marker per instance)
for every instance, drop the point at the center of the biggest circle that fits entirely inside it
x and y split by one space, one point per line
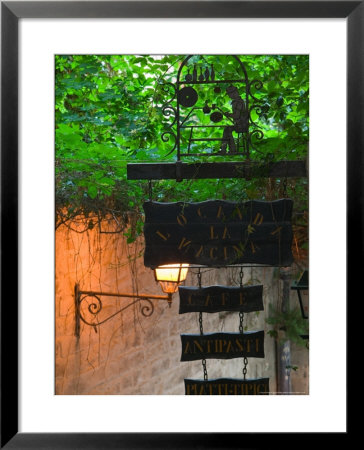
218 233
212 105
222 345
220 298
227 386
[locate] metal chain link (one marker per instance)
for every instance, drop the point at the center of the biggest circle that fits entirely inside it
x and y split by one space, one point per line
150 190
241 325
245 369
241 330
241 314
284 193
199 277
200 322
205 377
241 275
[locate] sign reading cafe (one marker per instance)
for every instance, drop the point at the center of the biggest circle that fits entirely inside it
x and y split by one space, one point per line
220 298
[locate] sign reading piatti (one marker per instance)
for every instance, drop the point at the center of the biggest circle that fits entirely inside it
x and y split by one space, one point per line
227 386
222 345
218 233
220 298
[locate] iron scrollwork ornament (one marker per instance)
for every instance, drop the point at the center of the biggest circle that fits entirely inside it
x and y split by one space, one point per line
170 112
94 307
89 306
202 128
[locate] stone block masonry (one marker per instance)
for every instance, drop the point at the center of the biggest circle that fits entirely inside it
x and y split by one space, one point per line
132 354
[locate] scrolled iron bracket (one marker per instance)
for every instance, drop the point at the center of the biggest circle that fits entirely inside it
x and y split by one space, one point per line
96 305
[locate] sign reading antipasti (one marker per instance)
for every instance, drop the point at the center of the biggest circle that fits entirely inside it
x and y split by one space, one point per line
222 345
220 298
227 386
218 233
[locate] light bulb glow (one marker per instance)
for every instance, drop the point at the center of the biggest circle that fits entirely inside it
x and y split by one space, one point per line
170 276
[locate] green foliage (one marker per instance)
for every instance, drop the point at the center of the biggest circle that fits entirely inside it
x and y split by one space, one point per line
108 113
291 323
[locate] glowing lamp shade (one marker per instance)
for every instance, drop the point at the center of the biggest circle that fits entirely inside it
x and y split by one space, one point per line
170 276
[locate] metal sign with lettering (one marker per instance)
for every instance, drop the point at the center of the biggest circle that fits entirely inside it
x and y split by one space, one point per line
222 345
218 233
227 386
220 298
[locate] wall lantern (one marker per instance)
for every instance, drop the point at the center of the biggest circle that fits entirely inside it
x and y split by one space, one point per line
301 286
169 276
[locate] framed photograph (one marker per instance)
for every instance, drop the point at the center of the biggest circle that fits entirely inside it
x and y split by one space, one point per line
65 69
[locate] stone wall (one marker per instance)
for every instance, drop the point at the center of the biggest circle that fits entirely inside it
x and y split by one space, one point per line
134 354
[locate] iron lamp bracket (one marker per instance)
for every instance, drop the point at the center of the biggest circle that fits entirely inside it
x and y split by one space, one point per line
95 305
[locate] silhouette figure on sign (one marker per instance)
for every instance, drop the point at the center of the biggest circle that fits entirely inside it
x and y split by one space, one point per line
240 117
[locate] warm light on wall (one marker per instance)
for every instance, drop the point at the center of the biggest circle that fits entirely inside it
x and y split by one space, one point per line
170 276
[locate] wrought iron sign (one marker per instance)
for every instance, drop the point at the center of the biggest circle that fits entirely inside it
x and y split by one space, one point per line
220 298
211 109
204 346
222 345
223 126
218 233
227 386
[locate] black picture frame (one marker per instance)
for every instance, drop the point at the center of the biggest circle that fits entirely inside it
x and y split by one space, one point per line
11 12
